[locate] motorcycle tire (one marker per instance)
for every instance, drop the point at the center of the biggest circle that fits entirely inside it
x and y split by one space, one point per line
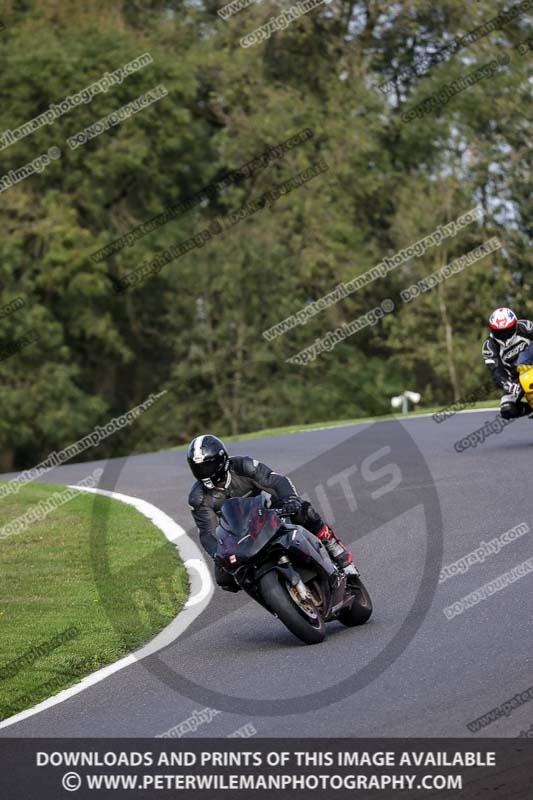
360 610
277 597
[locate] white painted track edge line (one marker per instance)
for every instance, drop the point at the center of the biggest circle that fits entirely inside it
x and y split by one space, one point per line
199 577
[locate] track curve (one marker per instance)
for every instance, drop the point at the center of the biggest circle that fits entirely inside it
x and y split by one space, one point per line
449 672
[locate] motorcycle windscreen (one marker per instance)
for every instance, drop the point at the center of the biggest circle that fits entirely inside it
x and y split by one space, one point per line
246 526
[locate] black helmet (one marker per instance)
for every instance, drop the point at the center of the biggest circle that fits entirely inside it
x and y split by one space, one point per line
208 460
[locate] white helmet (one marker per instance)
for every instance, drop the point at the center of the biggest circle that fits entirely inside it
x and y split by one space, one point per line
503 324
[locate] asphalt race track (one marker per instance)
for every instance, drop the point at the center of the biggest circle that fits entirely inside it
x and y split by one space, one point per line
408 503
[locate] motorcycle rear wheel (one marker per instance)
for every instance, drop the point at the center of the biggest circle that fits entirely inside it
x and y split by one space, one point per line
276 594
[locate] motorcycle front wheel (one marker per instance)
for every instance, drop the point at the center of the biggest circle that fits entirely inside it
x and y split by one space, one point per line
360 610
303 619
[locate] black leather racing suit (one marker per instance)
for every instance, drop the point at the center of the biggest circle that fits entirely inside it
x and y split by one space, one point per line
500 358
246 478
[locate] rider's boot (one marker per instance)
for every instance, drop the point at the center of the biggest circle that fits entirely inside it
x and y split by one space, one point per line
340 556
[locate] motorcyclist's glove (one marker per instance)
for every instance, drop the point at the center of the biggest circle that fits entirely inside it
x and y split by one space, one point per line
291 505
512 387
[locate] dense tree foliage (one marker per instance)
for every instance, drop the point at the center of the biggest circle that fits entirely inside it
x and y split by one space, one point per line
195 326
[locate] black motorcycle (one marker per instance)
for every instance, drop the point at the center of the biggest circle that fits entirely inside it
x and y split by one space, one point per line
287 570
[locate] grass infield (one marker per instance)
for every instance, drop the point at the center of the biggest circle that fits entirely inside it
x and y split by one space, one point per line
79 589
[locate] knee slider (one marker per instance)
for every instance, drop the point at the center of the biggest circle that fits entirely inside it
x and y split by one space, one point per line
310 512
509 410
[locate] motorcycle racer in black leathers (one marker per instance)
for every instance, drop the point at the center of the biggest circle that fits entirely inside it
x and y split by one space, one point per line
220 476
508 337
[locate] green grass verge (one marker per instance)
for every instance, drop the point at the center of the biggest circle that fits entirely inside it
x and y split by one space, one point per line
95 567
337 422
